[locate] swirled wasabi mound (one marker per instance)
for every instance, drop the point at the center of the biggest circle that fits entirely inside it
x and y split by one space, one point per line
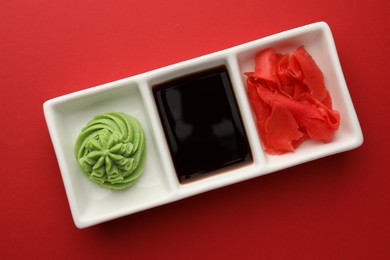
111 150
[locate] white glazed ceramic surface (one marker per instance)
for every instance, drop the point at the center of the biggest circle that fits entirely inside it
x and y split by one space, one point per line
66 115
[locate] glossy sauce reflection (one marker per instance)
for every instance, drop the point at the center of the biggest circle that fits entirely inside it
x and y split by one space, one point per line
202 123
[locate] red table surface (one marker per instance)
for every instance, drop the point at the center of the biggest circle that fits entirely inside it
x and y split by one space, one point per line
332 208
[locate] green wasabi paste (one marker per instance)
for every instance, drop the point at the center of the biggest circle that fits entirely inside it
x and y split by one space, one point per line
110 150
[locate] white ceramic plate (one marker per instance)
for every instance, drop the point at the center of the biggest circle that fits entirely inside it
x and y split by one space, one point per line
66 115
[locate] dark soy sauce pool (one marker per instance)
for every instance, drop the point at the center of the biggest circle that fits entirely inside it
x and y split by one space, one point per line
202 123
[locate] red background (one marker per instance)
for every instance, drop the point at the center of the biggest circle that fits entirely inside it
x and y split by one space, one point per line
333 208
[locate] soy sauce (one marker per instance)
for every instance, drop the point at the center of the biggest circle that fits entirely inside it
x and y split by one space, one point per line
202 123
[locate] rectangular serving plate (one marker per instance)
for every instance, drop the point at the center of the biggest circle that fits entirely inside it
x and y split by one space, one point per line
66 115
